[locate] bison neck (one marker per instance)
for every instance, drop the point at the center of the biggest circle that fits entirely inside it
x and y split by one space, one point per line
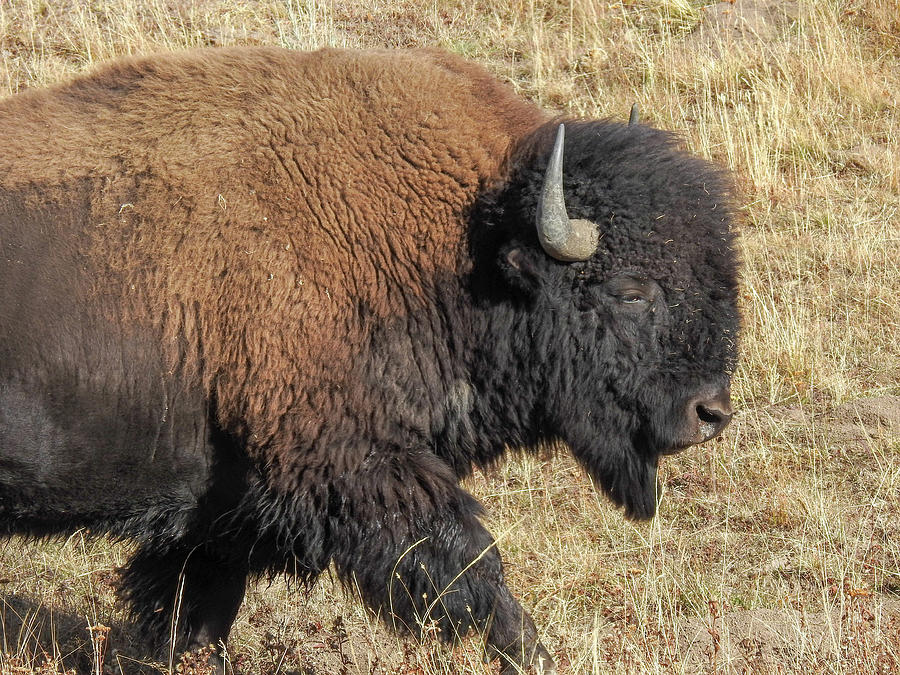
453 378
444 378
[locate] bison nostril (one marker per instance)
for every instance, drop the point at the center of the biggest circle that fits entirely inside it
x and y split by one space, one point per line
713 414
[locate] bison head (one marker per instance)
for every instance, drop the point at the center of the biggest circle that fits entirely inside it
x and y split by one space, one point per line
618 250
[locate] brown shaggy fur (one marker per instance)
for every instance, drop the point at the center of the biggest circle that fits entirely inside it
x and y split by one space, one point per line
288 300
232 203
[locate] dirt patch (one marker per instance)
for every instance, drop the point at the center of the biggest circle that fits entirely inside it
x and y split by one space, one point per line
762 640
857 424
853 425
867 158
726 24
875 413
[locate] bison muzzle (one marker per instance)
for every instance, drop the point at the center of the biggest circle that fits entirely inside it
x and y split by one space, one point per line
260 312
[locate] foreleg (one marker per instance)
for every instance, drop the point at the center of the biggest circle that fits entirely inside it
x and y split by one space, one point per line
185 594
419 556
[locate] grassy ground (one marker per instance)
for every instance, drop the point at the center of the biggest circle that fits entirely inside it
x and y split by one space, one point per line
777 548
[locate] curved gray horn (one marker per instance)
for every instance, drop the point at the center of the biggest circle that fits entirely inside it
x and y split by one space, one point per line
633 118
562 238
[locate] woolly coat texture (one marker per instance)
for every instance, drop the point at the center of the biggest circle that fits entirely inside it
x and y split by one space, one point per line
286 300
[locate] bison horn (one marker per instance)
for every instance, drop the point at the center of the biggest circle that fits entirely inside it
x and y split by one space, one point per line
633 118
562 238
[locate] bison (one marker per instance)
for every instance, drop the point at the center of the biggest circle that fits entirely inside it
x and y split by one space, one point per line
261 310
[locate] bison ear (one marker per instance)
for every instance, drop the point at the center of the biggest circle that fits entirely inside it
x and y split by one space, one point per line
520 268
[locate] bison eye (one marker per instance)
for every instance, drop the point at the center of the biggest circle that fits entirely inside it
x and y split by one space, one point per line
635 291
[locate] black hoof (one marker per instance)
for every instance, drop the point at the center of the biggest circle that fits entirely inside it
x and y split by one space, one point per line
540 663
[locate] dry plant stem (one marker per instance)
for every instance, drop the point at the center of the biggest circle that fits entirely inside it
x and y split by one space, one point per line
99 641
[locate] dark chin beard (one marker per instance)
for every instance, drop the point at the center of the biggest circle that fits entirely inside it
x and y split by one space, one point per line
629 480
641 505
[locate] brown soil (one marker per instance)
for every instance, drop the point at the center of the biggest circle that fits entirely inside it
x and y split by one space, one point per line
726 24
761 640
853 424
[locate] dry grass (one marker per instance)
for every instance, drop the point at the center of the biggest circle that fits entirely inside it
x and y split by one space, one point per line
777 548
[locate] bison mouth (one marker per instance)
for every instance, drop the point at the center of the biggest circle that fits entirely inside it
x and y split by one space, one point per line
704 417
632 482
624 465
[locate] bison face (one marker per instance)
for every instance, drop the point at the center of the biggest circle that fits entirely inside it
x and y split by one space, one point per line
639 325
640 387
634 336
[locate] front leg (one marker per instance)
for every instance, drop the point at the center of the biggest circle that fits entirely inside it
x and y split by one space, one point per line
202 589
420 557
514 641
